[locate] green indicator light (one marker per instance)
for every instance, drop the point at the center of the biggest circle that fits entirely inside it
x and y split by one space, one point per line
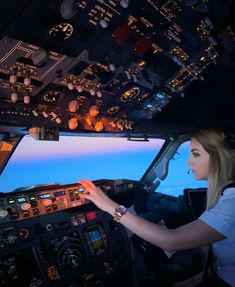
11 200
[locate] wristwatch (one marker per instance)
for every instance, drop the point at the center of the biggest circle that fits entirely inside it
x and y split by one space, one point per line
119 212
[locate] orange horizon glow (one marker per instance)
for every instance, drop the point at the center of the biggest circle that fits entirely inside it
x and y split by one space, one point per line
69 146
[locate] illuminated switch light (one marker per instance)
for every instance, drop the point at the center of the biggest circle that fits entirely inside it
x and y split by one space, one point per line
26 99
27 81
54 115
92 92
79 88
73 106
13 79
94 110
88 121
73 123
91 215
58 120
14 97
70 86
119 126
35 113
99 126
99 94
45 114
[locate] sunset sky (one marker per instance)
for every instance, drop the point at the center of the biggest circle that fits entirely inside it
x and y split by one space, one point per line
73 158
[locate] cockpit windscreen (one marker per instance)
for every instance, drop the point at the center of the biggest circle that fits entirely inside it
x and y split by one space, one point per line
72 158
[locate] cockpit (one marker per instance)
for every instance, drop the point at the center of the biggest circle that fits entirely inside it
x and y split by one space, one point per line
107 91
50 236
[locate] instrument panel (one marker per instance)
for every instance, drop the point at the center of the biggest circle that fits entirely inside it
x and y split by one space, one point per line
41 200
50 237
109 66
31 204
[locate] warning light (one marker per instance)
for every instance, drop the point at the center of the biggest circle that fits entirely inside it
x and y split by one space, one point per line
90 215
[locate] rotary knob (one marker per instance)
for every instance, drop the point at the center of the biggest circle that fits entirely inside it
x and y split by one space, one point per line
23 233
3 213
49 226
25 206
104 24
94 110
13 79
47 202
79 88
124 4
14 97
73 123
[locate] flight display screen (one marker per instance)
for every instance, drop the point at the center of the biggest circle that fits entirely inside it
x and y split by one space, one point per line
21 199
96 239
43 196
59 193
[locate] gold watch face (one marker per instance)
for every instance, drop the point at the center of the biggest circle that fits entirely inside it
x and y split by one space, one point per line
120 210
61 32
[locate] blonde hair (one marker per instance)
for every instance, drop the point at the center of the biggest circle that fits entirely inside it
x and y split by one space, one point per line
221 170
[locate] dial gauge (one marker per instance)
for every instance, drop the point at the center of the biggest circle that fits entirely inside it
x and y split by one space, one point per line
131 94
52 97
113 110
61 32
23 233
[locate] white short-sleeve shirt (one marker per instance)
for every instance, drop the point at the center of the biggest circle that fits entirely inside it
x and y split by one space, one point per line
222 219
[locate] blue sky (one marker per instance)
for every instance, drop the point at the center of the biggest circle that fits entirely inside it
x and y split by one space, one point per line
73 158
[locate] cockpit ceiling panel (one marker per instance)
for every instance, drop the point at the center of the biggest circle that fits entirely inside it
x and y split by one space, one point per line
110 66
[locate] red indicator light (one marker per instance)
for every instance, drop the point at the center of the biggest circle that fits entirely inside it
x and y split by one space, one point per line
90 215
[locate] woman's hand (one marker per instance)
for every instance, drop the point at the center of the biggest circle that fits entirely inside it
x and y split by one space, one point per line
97 196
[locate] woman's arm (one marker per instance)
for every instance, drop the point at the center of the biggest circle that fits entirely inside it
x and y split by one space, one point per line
193 234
